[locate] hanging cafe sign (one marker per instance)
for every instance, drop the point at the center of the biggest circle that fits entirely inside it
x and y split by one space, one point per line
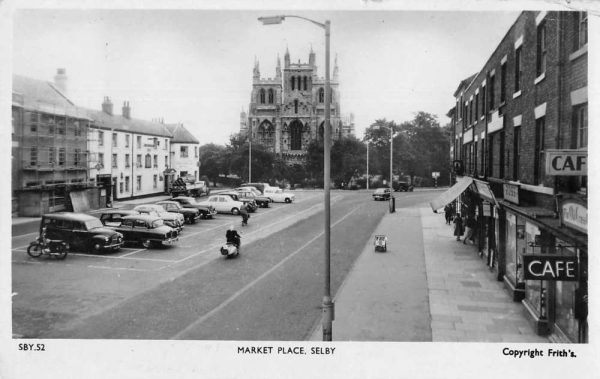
550 267
566 162
574 215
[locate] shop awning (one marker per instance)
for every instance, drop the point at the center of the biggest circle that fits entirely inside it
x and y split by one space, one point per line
452 193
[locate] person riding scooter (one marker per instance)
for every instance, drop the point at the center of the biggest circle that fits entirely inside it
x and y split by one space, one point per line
244 214
232 248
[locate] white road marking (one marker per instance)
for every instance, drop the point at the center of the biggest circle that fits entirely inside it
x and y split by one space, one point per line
252 283
121 257
118 268
133 252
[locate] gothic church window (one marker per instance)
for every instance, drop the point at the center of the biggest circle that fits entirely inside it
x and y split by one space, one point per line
293 82
296 106
270 96
262 96
296 135
305 83
321 95
266 132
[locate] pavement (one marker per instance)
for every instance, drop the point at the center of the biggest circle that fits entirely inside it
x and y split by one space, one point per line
427 287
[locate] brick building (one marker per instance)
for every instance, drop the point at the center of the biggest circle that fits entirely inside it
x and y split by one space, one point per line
520 149
287 112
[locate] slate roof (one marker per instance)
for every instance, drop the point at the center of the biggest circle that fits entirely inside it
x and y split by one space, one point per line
129 125
465 83
181 134
42 96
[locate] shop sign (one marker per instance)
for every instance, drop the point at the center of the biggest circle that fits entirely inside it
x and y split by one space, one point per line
567 162
487 209
574 215
484 190
551 267
511 193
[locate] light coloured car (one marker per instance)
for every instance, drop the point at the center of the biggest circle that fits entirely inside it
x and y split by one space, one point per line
278 195
174 220
223 204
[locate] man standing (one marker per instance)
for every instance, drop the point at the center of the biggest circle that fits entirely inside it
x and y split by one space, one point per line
470 228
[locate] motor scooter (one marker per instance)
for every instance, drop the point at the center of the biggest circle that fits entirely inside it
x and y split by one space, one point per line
44 246
231 249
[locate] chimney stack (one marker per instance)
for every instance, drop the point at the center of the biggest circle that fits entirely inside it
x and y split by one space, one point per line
107 106
126 110
60 80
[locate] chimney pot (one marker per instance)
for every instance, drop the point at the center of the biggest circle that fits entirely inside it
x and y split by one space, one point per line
126 110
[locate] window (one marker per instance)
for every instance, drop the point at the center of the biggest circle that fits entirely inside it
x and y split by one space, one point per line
114 161
541 49
293 82
271 96
114 139
166 144
491 88
503 83
33 156
76 129
580 126
166 161
483 103
471 112
61 128
183 151
51 156
305 83
76 157
155 165
490 151
138 183
540 124
101 160
148 161
196 151
61 156
295 105
502 141
127 183
139 142
518 69
516 148
321 95
581 32
127 160
182 174
155 181
121 187
475 156
262 96
138 160
476 106
100 138
126 140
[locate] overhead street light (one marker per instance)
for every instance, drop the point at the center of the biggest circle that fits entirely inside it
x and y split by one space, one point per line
327 303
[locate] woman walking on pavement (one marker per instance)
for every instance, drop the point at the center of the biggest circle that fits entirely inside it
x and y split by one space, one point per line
458 226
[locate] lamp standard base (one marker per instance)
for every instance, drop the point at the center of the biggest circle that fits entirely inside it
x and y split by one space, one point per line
328 316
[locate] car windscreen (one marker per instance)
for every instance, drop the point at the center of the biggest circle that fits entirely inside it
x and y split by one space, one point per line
157 223
95 223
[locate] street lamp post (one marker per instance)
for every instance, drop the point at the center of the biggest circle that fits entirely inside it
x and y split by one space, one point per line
368 165
392 205
327 302
250 157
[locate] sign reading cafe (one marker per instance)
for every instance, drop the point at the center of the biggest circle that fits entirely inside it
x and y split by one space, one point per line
566 162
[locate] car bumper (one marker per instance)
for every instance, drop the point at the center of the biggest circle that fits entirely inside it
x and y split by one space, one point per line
170 241
113 246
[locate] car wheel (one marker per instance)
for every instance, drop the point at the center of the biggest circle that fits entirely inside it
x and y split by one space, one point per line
288 200
235 211
34 250
96 247
146 243
191 220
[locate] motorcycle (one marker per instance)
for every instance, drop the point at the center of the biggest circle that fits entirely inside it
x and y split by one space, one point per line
44 246
231 249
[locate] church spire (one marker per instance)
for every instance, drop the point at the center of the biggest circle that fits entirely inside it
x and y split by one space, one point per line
286 57
311 57
256 69
278 69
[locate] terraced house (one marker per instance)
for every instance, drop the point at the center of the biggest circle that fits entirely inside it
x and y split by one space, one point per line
520 152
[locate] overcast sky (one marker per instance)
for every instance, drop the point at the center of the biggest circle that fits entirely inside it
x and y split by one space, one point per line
195 66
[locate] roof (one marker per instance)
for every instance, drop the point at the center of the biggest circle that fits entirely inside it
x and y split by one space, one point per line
128 212
129 125
145 217
181 134
70 216
465 83
43 96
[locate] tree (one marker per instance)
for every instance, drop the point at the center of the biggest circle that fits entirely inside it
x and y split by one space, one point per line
239 152
211 160
348 158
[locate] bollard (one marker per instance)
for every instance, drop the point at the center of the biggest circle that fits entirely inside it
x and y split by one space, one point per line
392 204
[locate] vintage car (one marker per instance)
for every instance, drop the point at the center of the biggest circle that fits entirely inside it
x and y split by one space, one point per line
189 214
260 200
250 204
381 194
259 186
278 195
147 230
81 231
206 211
223 204
113 217
403 186
174 220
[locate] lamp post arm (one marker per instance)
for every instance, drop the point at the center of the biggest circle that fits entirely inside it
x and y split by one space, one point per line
324 26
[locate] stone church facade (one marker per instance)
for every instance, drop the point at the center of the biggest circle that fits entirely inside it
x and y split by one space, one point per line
287 112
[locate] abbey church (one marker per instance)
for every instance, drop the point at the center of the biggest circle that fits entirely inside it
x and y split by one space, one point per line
287 112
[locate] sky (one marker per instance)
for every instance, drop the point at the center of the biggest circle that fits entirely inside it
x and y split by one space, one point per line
195 66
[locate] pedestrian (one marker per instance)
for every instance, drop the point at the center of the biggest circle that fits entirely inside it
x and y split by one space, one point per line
470 228
458 226
448 213
244 214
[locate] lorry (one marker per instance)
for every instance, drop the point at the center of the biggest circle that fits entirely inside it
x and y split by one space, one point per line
188 186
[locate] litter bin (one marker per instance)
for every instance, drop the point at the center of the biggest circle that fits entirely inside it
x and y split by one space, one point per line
392 204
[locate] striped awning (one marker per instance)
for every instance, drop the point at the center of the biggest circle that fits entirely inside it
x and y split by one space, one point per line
452 193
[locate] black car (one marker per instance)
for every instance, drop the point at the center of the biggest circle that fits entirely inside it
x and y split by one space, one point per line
190 202
80 230
248 202
261 201
115 216
189 214
403 186
146 230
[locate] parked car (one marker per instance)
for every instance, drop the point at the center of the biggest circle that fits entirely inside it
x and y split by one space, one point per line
80 230
250 204
246 192
381 194
279 195
259 186
206 211
174 220
189 214
403 186
223 204
147 230
113 217
188 186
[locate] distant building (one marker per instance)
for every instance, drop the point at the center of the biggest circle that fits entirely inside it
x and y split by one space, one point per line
287 112
49 147
521 138
184 151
